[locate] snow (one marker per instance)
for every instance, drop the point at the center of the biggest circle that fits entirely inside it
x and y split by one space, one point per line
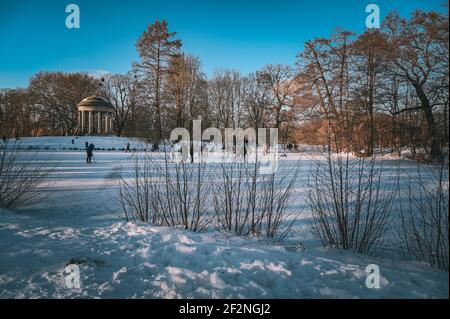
74 224
125 260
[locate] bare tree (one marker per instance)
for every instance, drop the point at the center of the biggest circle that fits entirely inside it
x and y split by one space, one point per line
21 175
370 48
225 98
424 226
121 90
185 92
17 113
419 53
56 96
279 81
327 64
256 99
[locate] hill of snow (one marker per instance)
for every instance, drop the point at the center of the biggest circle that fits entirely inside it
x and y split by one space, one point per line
123 260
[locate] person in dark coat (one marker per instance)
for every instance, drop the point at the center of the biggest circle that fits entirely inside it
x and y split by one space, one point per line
127 150
87 145
245 149
90 153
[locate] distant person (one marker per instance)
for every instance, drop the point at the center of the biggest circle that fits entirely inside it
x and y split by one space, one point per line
87 145
73 141
90 153
265 149
245 149
127 149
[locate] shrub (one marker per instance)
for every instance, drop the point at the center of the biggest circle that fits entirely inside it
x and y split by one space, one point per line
424 226
20 175
248 203
350 205
164 193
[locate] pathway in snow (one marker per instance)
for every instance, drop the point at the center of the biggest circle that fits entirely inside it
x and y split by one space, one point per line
73 225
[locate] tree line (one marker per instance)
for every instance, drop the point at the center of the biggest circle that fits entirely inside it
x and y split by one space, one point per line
386 87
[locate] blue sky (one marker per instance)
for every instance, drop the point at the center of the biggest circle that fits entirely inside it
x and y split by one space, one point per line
244 35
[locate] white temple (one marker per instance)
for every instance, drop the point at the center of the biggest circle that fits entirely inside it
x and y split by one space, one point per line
95 116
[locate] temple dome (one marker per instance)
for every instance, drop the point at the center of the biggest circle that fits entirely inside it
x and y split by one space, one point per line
94 101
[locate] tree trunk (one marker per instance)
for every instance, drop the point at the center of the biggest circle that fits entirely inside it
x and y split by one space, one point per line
435 151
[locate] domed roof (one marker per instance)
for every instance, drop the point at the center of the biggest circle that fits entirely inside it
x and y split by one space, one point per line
95 101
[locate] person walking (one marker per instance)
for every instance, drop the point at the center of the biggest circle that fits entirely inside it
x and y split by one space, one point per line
90 153
245 149
86 146
127 149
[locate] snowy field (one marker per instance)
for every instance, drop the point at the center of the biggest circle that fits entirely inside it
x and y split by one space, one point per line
75 223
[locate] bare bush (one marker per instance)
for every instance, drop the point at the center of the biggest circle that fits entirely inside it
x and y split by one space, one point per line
248 203
135 185
21 174
424 221
350 204
156 190
192 195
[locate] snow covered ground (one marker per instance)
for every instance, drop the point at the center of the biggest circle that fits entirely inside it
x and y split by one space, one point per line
74 224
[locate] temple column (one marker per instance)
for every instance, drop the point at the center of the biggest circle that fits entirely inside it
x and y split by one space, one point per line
83 120
79 122
106 123
99 123
91 122
110 124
